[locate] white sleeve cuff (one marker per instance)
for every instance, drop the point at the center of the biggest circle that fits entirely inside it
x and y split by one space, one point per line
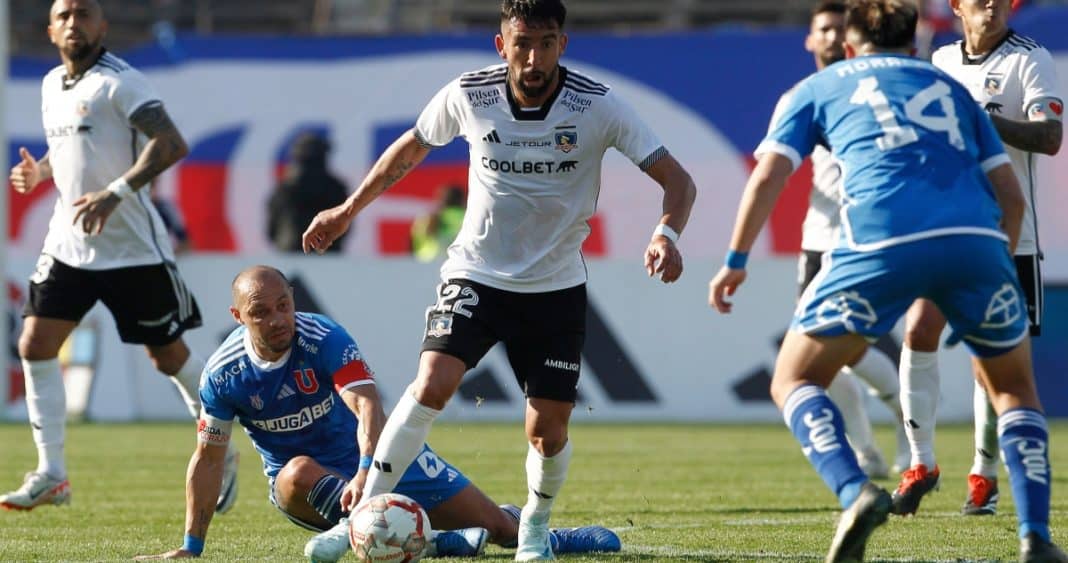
995 161
767 146
357 384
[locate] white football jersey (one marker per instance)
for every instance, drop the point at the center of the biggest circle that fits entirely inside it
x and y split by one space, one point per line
534 175
1015 75
819 231
91 143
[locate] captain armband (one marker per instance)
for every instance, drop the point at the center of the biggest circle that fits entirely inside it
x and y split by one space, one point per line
211 430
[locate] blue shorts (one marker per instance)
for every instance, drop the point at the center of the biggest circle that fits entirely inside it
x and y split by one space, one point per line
971 278
429 480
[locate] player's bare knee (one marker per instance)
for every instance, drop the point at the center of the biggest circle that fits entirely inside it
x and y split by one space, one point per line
781 387
168 359
34 347
548 442
922 337
299 474
430 392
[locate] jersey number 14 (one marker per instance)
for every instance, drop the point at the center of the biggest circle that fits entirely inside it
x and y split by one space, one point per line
897 135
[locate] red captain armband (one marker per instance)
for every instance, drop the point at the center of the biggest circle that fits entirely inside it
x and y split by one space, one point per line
352 374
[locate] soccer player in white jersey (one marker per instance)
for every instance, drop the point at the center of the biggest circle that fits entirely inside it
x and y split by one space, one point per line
1015 81
108 136
515 274
818 235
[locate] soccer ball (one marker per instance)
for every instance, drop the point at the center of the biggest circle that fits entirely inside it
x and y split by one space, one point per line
389 527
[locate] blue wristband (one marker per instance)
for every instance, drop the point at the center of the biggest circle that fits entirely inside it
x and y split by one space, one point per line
366 461
737 260
193 544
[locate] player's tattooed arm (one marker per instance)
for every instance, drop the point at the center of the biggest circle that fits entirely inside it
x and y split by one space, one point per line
400 158
165 144
203 483
1043 136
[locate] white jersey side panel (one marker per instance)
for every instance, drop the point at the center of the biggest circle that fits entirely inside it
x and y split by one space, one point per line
91 143
1014 75
819 230
534 176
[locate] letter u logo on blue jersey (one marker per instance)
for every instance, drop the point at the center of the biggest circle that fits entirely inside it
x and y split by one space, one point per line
306 381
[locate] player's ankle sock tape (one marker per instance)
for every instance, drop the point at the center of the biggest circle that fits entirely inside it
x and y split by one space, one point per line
1024 444
325 498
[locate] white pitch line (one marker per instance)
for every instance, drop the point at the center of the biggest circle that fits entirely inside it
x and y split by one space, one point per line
729 555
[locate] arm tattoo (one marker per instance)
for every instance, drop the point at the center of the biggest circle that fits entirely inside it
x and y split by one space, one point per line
394 175
151 119
165 145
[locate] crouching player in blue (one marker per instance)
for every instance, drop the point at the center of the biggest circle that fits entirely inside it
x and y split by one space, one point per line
931 209
299 386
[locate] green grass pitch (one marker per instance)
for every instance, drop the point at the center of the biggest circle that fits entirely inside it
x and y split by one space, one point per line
673 492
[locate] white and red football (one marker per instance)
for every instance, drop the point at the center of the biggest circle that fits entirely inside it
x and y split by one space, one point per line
388 528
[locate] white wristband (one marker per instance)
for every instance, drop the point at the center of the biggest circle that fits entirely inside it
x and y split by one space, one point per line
666 231
120 187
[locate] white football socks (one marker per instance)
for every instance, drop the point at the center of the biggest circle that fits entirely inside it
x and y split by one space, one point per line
845 391
401 440
986 435
919 402
878 370
187 380
545 478
46 401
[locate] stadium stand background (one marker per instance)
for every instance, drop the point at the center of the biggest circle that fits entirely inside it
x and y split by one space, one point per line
188 45
134 22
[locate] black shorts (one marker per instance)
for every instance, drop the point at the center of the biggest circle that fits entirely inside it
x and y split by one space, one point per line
543 333
150 304
807 268
1029 271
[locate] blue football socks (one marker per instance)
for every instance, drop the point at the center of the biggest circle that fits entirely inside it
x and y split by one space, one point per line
817 424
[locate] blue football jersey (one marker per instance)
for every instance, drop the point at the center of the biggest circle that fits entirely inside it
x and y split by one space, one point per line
290 407
913 145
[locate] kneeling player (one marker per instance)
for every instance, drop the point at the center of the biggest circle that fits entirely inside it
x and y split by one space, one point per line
283 375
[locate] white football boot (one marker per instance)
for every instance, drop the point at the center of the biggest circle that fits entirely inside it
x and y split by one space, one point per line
37 489
534 544
329 546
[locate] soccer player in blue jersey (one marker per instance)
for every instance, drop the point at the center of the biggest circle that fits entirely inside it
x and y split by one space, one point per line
931 209
298 384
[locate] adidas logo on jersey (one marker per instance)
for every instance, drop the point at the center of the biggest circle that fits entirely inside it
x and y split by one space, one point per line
286 391
492 137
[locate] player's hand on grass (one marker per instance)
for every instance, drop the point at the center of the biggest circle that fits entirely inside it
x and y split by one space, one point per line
353 493
724 285
26 174
93 210
663 258
176 554
327 227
